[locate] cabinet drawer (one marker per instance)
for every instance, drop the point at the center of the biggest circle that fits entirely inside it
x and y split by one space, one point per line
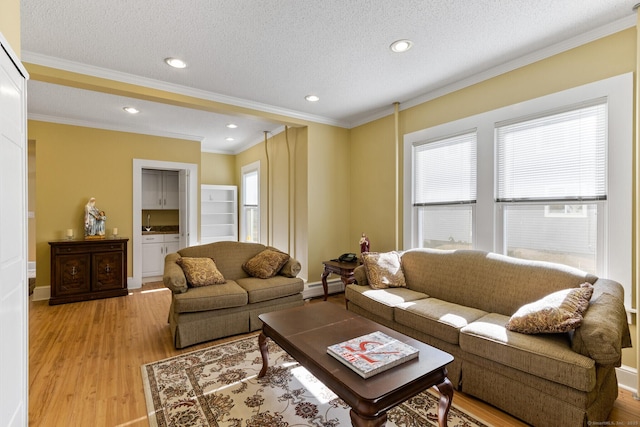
152 238
75 249
168 238
110 247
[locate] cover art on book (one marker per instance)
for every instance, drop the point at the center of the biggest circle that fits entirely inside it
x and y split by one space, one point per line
372 353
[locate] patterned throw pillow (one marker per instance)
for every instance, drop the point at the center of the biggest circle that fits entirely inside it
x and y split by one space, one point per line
384 270
200 271
266 264
558 312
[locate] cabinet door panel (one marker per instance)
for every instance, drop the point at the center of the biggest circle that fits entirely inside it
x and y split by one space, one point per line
73 273
108 271
152 259
170 189
152 189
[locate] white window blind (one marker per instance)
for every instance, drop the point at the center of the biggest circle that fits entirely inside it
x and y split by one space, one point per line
445 170
556 157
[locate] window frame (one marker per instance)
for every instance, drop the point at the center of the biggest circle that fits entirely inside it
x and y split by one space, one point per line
617 217
455 200
246 170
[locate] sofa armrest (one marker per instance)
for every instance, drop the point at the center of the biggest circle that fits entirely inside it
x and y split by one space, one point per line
360 275
291 268
604 331
173 277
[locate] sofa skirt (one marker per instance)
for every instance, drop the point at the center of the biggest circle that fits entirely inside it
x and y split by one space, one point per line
193 328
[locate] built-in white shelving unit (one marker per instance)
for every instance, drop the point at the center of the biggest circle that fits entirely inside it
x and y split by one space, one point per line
218 213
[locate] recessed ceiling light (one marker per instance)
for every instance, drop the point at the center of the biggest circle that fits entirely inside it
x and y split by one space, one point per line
229 139
232 125
400 46
175 62
131 110
312 98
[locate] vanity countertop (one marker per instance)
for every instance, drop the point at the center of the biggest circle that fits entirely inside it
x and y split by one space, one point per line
161 229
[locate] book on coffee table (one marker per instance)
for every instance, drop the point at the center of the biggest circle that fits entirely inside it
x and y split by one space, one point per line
372 353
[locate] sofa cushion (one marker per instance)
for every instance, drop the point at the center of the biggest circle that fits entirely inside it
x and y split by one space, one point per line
229 256
547 356
440 319
560 311
380 301
204 298
200 271
491 282
265 264
384 270
267 289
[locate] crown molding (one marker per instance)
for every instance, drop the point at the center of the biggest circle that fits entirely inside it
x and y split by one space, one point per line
590 36
245 146
105 73
117 128
76 67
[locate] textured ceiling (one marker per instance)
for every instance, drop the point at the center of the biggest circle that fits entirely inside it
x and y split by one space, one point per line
268 55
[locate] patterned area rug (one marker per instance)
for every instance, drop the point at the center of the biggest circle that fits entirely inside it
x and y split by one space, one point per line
218 386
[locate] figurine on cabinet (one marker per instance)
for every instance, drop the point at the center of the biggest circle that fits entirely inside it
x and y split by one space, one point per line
94 220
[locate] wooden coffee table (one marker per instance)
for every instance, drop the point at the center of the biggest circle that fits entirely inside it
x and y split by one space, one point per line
305 332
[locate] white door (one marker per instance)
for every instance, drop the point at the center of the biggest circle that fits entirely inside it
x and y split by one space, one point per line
185 213
14 288
170 190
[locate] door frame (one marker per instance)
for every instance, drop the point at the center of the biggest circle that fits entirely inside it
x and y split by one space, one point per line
191 201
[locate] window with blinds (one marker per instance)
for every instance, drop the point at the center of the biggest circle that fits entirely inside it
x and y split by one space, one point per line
445 190
551 184
250 209
553 180
558 157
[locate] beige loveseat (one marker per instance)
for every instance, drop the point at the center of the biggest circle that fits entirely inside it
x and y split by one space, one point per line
460 301
204 313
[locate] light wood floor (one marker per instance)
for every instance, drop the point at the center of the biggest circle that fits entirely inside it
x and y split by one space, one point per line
85 358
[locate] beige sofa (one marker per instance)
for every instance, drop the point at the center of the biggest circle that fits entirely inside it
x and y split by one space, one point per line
460 301
200 314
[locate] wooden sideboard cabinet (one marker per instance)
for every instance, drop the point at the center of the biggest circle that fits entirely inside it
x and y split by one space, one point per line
83 270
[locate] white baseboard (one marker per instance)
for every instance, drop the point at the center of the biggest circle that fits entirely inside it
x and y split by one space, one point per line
628 378
41 293
314 289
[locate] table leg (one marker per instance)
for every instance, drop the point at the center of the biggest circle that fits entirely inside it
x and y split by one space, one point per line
264 351
325 287
358 421
446 397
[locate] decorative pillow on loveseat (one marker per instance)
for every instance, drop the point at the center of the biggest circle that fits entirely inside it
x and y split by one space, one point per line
266 264
384 270
558 312
200 271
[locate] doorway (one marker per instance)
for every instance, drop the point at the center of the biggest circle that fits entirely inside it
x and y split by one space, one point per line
188 208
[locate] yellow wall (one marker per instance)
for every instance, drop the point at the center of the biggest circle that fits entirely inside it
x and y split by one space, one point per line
218 169
329 191
10 23
31 198
373 185
283 191
306 204
75 163
372 144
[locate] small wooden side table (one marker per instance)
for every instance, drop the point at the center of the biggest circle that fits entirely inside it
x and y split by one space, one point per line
344 269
